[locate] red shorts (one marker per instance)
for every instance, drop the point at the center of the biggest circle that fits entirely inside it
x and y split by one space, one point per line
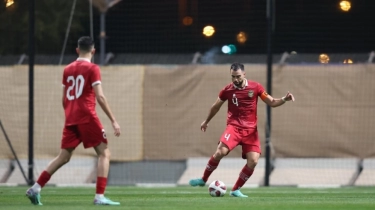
91 134
247 138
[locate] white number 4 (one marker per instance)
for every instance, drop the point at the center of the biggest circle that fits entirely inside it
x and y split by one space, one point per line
77 84
226 136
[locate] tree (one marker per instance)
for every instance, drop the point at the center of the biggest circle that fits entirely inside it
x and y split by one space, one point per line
51 20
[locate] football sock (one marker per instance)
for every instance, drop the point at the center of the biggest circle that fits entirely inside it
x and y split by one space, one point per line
36 187
42 180
245 174
101 183
211 166
99 196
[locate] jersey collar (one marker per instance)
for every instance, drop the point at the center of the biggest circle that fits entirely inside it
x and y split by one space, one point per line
241 88
84 59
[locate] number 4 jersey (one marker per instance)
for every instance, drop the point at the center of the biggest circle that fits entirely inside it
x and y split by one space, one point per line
79 78
242 103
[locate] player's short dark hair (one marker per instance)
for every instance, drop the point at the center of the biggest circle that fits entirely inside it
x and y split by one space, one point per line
237 66
85 43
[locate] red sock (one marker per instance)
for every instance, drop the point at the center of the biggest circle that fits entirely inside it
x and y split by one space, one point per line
245 174
211 166
43 178
101 183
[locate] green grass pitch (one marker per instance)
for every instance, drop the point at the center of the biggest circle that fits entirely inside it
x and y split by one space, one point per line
189 198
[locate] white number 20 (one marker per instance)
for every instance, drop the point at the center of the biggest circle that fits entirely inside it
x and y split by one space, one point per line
77 84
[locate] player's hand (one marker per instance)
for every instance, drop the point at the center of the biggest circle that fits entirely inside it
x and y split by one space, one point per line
116 128
204 126
289 97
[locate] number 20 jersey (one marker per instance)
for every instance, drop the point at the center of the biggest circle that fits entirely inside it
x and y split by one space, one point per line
79 77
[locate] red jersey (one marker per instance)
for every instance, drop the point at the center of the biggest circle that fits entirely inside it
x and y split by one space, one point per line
78 79
242 103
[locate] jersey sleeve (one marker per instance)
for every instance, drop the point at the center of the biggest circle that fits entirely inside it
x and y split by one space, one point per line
261 92
95 77
222 95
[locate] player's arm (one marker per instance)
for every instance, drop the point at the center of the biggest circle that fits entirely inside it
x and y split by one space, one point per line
275 102
214 109
63 96
102 100
63 89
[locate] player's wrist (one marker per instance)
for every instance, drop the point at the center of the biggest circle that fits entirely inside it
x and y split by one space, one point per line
283 99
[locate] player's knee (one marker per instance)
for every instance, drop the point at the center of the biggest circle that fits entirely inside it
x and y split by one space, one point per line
217 156
106 154
65 160
220 154
251 163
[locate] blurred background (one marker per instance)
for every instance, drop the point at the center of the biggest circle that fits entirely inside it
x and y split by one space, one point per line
236 27
163 64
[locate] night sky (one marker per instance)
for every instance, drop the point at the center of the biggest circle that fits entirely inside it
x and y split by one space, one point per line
305 26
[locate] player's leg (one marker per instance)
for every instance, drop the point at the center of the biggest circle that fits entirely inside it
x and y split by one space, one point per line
251 151
69 141
61 159
103 167
94 136
33 193
246 172
228 141
248 169
102 173
221 151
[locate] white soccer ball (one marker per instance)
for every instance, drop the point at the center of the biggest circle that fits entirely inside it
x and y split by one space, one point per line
217 188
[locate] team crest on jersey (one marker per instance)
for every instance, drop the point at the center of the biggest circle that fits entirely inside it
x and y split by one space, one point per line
250 93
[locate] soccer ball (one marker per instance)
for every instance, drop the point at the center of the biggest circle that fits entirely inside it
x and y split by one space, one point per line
217 188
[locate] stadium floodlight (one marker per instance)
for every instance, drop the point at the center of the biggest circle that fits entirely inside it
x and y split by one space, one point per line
225 49
187 21
229 49
323 58
241 37
9 3
345 6
103 6
208 31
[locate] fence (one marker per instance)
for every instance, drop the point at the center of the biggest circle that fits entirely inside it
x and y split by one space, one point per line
325 137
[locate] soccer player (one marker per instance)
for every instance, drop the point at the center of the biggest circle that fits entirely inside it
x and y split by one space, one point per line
81 86
242 96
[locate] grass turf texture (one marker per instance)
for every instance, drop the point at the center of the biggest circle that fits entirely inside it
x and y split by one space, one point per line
189 198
